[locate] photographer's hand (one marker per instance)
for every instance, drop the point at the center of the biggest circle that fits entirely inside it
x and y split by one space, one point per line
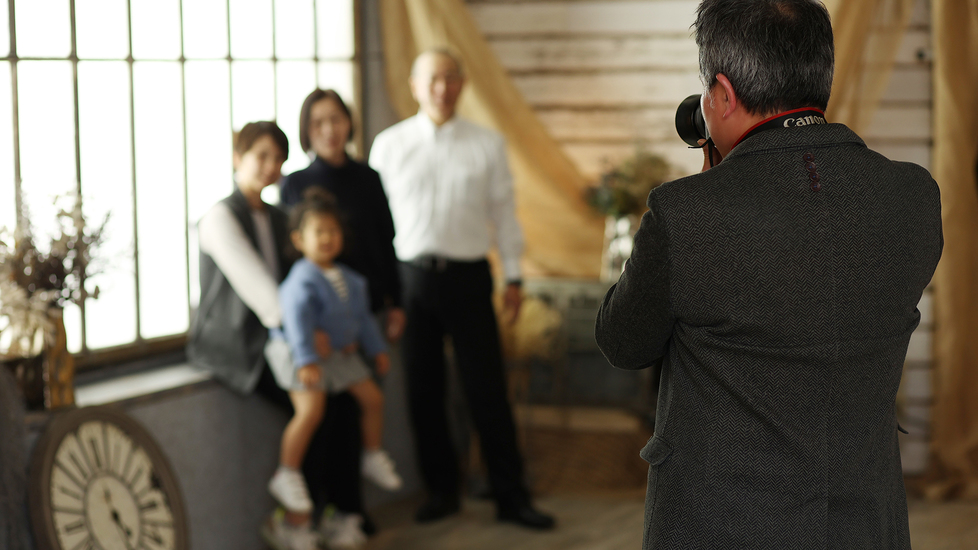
709 149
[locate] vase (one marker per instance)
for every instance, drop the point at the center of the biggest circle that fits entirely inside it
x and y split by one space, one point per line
29 374
59 366
619 234
47 380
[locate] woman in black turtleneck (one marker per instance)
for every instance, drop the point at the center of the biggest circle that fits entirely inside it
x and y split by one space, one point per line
325 127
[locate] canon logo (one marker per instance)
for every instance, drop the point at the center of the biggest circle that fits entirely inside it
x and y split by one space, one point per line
803 121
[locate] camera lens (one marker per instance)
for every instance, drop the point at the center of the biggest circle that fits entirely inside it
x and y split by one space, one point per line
690 123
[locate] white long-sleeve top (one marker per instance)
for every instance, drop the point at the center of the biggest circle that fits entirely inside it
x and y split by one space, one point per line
252 275
450 191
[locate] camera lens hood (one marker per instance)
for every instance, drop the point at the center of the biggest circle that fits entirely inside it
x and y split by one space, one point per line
690 123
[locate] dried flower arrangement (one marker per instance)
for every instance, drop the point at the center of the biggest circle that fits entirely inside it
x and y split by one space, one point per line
624 188
621 195
35 284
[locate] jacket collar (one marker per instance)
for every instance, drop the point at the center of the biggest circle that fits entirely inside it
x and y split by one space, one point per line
814 136
306 265
320 164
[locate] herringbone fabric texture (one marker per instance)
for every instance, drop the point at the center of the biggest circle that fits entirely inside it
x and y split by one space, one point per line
782 314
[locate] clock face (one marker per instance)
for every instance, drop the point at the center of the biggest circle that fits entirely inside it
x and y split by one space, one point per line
108 488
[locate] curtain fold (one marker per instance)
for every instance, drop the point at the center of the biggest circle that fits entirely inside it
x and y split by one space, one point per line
954 440
564 237
868 34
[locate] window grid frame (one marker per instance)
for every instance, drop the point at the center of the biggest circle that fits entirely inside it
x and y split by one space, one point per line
87 358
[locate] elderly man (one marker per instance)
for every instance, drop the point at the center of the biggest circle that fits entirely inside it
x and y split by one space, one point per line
451 196
779 290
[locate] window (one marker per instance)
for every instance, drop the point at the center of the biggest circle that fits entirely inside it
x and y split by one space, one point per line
132 103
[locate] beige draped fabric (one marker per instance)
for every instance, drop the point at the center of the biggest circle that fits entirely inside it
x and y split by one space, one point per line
867 36
563 236
954 440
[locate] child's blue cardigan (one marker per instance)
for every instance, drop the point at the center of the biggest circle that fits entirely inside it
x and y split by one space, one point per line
309 302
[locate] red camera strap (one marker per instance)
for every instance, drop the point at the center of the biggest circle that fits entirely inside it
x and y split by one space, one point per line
791 119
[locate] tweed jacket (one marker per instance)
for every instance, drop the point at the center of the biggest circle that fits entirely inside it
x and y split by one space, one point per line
309 302
226 338
781 312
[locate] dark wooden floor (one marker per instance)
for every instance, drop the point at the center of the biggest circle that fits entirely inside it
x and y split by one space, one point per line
614 522
944 525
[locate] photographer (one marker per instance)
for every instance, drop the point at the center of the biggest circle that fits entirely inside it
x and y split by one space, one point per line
778 288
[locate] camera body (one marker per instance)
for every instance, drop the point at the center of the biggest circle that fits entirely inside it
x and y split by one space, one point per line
690 123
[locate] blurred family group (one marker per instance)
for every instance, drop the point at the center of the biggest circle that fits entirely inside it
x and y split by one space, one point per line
310 302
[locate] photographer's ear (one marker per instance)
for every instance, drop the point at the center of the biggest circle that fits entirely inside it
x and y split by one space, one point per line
727 95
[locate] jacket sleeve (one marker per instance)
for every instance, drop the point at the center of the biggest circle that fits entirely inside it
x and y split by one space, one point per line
370 336
222 238
636 319
299 314
385 233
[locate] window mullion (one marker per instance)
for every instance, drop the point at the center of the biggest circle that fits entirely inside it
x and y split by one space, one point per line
230 75
186 169
78 182
315 40
274 68
132 156
15 118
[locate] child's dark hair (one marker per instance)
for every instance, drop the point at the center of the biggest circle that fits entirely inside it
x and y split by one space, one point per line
245 138
315 200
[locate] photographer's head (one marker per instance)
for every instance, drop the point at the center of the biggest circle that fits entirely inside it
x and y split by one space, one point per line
759 58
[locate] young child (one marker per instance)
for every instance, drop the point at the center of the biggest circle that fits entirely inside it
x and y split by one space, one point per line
321 294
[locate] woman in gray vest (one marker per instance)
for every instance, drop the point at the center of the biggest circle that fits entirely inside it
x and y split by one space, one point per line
244 255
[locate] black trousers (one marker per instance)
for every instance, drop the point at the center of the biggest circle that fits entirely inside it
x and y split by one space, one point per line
455 299
332 463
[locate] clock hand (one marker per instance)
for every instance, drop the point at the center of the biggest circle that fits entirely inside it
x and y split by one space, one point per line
118 521
115 517
125 530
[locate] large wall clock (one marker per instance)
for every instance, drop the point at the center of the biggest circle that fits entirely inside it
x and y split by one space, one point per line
99 482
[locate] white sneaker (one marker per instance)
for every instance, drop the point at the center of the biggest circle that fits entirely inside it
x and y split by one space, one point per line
378 467
277 533
342 531
289 488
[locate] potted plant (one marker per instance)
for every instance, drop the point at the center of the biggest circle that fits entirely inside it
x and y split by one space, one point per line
621 194
35 285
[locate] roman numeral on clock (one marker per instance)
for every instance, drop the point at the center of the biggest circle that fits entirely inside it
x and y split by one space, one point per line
72 527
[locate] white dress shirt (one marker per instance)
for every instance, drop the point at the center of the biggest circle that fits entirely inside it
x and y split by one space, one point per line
450 191
252 275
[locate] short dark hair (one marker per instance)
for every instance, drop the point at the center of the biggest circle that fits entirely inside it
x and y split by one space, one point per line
778 54
305 113
245 138
315 200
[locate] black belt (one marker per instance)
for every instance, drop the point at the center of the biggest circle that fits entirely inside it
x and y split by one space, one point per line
440 264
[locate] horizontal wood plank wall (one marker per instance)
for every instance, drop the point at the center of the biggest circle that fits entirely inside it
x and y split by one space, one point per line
605 77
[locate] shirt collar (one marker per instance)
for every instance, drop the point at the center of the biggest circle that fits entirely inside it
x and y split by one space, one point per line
430 129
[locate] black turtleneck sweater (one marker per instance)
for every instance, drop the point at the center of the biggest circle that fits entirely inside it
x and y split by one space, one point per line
369 237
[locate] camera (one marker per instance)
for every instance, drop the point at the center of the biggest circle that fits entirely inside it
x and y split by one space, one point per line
690 122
